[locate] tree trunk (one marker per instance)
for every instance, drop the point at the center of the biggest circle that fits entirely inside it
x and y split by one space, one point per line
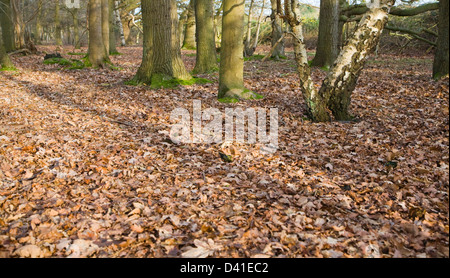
76 29
441 64
162 55
248 38
19 30
277 32
181 23
7 25
5 62
112 29
231 76
38 27
328 42
58 31
340 83
119 23
189 34
206 45
96 53
105 24
258 26
336 90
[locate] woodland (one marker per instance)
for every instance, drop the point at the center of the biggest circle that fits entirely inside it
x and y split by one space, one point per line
89 167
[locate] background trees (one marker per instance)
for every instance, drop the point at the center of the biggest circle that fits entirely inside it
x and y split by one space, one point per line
205 24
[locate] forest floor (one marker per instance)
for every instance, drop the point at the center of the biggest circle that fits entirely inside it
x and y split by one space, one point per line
87 168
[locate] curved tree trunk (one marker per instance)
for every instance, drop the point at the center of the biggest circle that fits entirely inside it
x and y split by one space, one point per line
328 42
441 63
206 46
7 25
162 55
336 90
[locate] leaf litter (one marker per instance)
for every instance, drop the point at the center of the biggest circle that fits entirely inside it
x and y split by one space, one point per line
87 168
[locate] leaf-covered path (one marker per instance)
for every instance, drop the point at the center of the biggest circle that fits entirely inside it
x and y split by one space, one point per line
87 168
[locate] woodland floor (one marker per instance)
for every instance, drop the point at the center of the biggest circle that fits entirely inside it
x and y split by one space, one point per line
87 168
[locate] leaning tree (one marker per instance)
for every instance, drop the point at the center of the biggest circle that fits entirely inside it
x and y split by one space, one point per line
334 96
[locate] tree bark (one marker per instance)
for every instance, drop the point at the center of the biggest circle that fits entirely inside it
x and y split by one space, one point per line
58 30
119 23
441 63
112 29
248 38
19 30
162 55
189 34
7 25
105 24
336 90
96 53
5 61
277 31
328 42
231 76
206 46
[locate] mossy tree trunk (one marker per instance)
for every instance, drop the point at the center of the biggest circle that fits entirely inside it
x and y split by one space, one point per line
336 90
7 25
5 61
441 63
206 45
189 33
162 55
231 76
97 54
328 42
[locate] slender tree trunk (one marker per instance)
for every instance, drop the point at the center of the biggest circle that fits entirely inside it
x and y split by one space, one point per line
441 63
231 76
119 23
5 62
58 31
206 45
277 32
38 27
189 34
96 53
6 23
112 29
181 24
248 38
328 42
105 24
19 30
76 29
162 55
258 27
